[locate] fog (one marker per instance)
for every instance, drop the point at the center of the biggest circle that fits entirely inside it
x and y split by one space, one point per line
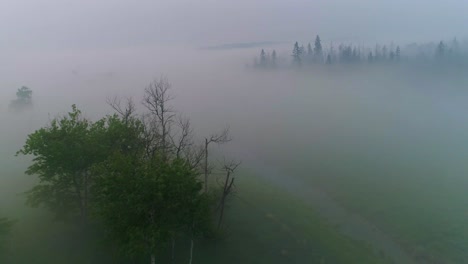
369 147
54 24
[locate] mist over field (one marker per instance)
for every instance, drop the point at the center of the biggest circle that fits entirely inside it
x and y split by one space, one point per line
361 162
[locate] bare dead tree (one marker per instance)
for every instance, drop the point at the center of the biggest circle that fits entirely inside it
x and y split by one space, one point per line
156 100
126 110
219 138
166 133
183 139
229 169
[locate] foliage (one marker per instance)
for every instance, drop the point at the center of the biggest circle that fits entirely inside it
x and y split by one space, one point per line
23 99
24 94
144 203
297 54
5 229
137 177
64 153
436 53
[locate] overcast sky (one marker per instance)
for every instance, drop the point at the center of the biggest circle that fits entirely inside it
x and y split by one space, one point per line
69 24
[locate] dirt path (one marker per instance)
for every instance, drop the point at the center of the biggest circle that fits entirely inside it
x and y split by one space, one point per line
351 225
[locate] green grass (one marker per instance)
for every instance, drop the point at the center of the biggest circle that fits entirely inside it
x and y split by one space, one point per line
265 225
425 212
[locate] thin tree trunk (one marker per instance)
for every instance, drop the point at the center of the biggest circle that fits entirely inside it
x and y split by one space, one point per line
221 213
206 165
153 259
191 251
226 191
85 200
223 199
173 250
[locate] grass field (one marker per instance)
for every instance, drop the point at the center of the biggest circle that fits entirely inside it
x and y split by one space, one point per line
424 210
268 226
429 221
264 225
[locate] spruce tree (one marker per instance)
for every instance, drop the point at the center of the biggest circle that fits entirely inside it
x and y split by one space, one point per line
273 58
318 52
263 58
296 54
397 53
440 51
309 50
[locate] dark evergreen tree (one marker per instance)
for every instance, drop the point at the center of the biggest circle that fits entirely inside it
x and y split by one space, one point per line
263 58
346 54
273 58
441 49
297 54
397 53
318 52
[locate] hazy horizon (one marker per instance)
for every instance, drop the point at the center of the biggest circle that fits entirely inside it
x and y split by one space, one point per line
76 25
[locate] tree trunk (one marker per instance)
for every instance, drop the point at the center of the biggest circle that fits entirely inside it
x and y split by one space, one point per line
206 165
226 192
173 250
85 199
221 213
191 251
153 259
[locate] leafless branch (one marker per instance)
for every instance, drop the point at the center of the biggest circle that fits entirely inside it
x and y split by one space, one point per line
185 139
220 138
125 110
156 100
229 168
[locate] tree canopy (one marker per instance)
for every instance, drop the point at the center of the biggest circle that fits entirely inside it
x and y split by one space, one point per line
136 176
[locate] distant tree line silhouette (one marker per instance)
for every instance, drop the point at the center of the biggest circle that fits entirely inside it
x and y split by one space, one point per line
441 53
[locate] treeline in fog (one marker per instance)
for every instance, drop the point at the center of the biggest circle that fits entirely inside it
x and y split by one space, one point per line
448 53
138 180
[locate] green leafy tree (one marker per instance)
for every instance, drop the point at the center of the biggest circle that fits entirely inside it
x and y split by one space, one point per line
148 199
64 153
24 94
145 203
23 99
